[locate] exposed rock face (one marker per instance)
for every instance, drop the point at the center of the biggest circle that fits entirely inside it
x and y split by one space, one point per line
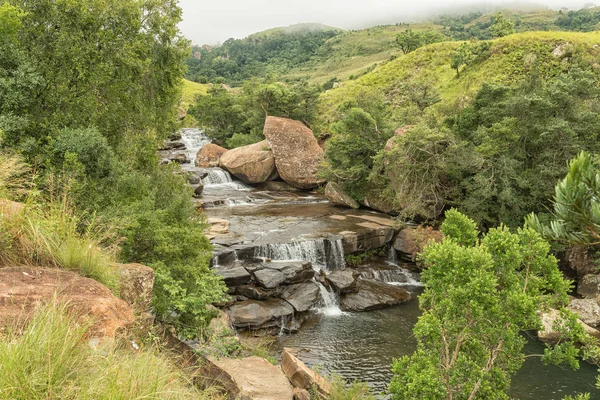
372 295
589 286
136 283
338 196
23 289
253 314
255 378
579 261
209 155
294 271
411 241
377 202
251 164
587 310
342 280
301 376
269 278
296 151
302 296
549 335
234 276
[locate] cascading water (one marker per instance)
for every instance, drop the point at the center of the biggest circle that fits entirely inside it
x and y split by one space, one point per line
218 177
194 140
325 254
328 305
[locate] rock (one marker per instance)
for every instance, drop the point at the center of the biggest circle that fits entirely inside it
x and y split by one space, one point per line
234 276
254 314
374 237
372 295
563 50
255 378
24 289
278 186
589 286
578 260
301 376
136 283
175 136
193 178
269 278
338 196
179 158
198 190
302 296
412 240
301 394
218 226
209 155
391 143
377 202
296 151
252 164
342 280
173 145
10 208
220 324
549 335
253 292
587 310
294 272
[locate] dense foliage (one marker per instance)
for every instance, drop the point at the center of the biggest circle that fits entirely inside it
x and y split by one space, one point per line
88 90
583 20
260 55
479 296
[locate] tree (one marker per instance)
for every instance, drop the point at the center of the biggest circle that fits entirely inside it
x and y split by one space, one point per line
467 53
501 26
479 295
410 40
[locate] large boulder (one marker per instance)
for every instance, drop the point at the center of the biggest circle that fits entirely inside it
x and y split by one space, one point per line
549 335
296 151
376 201
136 283
412 240
252 164
578 259
234 276
255 378
254 314
302 296
587 310
303 377
589 286
24 289
269 278
342 280
338 196
294 271
371 295
209 155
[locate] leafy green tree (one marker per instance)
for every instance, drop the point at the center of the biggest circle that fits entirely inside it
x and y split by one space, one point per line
501 26
478 298
467 53
410 40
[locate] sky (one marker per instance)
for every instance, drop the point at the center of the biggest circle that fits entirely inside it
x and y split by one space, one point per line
214 21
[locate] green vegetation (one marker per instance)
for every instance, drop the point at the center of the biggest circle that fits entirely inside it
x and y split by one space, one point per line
356 259
85 106
479 296
51 359
410 40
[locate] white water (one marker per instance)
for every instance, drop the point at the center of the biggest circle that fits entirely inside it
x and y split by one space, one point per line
219 178
194 140
407 277
315 251
328 305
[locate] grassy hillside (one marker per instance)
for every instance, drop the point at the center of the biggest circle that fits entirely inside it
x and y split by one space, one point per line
190 91
510 59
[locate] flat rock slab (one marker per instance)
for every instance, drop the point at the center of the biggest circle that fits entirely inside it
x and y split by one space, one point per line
234 276
255 314
302 296
372 295
269 278
342 281
256 378
24 289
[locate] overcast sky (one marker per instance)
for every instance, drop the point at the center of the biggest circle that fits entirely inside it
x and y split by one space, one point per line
214 21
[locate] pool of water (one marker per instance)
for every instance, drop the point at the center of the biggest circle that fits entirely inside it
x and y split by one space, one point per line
361 346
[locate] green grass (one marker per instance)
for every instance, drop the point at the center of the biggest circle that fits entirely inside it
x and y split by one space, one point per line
507 64
190 91
50 359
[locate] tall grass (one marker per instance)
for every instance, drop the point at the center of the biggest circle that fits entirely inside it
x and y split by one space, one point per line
14 175
50 359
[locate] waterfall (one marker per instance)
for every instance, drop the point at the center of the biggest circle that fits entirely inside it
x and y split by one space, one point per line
218 177
194 140
399 277
328 305
325 254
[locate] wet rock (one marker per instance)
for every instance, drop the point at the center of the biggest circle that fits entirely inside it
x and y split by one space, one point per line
549 335
338 196
294 272
372 295
412 240
173 145
296 151
24 289
251 164
373 237
253 292
302 296
218 226
255 378
342 280
303 377
589 286
136 283
278 186
587 310
198 190
234 276
269 278
209 155
193 179
179 158
254 314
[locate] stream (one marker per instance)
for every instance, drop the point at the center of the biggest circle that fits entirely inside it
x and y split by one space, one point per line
271 221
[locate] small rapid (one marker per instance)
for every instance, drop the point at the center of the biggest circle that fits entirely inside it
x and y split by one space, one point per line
322 253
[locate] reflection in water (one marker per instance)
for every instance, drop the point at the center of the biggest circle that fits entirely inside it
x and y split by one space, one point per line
362 346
